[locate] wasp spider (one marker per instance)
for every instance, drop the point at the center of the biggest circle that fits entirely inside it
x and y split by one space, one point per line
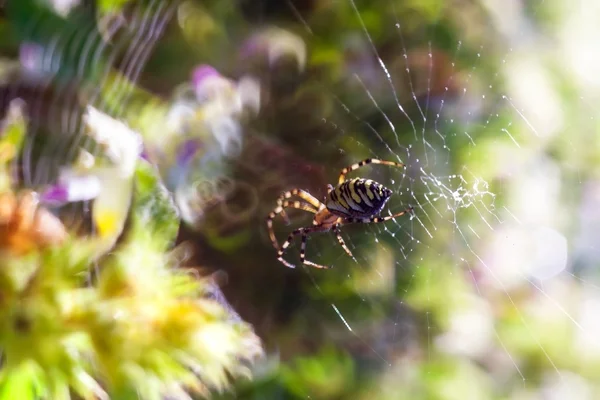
355 200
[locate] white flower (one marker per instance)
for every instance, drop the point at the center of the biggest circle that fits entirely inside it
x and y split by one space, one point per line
248 90
109 186
63 7
122 145
277 43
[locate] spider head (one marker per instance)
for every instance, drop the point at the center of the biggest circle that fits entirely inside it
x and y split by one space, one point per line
385 192
384 196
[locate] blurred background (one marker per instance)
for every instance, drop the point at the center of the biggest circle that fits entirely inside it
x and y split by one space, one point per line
489 290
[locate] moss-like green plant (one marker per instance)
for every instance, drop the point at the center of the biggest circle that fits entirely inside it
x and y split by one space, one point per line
127 324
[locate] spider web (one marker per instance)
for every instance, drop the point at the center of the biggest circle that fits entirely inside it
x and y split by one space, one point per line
51 69
491 259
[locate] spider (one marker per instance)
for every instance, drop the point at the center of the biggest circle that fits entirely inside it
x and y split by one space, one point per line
355 200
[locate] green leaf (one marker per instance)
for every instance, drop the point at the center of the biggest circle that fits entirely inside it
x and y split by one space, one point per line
24 382
11 141
112 6
153 209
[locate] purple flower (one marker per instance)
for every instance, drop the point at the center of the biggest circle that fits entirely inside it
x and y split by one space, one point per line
187 150
209 84
31 56
72 187
145 155
203 72
253 46
57 194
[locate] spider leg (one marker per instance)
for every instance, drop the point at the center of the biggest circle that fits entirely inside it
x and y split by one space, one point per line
304 232
303 194
340 239
303 254
280 209
375 219
362 163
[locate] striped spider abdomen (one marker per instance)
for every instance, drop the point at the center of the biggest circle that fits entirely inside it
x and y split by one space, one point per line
358 198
